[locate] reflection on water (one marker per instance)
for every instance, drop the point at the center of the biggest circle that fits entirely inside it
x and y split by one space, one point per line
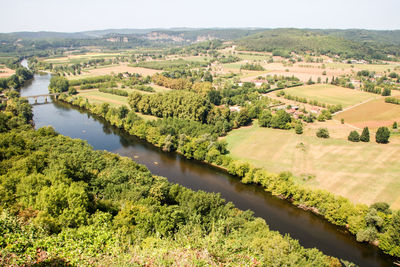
309 229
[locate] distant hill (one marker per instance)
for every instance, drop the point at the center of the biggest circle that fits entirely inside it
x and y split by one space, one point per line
347 43
353 43
44 35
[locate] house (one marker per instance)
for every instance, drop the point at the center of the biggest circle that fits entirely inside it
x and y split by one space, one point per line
234 108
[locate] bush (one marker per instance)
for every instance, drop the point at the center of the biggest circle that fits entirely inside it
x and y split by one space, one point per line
354 136
365 135
386 92
299 128
382 135
323 133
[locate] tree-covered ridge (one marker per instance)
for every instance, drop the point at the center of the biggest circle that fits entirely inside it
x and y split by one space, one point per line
284 41
61 202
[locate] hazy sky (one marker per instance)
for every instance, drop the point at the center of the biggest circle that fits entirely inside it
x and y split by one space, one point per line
81 15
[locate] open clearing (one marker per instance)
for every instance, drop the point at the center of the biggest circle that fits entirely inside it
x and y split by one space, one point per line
373 114
363 172
5 72
357 67
115 70
331 94
95 96
80 58
303 71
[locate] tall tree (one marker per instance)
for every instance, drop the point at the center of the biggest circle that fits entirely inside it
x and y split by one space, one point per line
382 135
365 135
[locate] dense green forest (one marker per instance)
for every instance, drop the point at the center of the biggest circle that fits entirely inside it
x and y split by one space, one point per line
347 45
63 203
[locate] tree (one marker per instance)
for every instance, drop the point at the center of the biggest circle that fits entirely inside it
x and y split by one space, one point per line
242 118
365 135
215 97
281 120
382 135
322 133
58 84
353 136
395 125
299 128
386 92
265 118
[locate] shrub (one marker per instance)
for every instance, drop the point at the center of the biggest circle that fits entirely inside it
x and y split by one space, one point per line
299 128
354 136
323 133
365 135
382 135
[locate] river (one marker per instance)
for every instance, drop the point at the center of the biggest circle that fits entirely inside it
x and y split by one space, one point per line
311 230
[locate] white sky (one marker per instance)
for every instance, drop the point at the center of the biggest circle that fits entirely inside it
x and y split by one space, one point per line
81 15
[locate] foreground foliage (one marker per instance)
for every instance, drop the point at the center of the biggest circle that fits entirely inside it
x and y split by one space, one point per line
61 202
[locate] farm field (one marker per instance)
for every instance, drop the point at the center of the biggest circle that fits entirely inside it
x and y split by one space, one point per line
331 94
5 72
357 67
80 58
114 69
332 163
99 97
373 114
95 96
303 71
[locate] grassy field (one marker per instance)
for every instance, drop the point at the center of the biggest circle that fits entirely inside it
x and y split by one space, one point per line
330 94
115 69
373 114
331 163
234 66
5 72
114 100
252 57
73 59
370 67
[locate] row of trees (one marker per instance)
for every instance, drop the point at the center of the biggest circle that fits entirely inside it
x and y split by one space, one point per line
113 91
331 108
392 100
381 137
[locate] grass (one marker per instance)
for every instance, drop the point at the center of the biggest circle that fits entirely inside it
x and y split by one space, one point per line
252 57
171 64
235 66
370 67
74 59
113 100
363 172
373 114
104 70
330 94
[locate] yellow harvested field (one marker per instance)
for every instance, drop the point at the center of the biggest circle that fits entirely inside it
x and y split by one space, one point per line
373 114
331 163
115 70
6 72
331 94
86 56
